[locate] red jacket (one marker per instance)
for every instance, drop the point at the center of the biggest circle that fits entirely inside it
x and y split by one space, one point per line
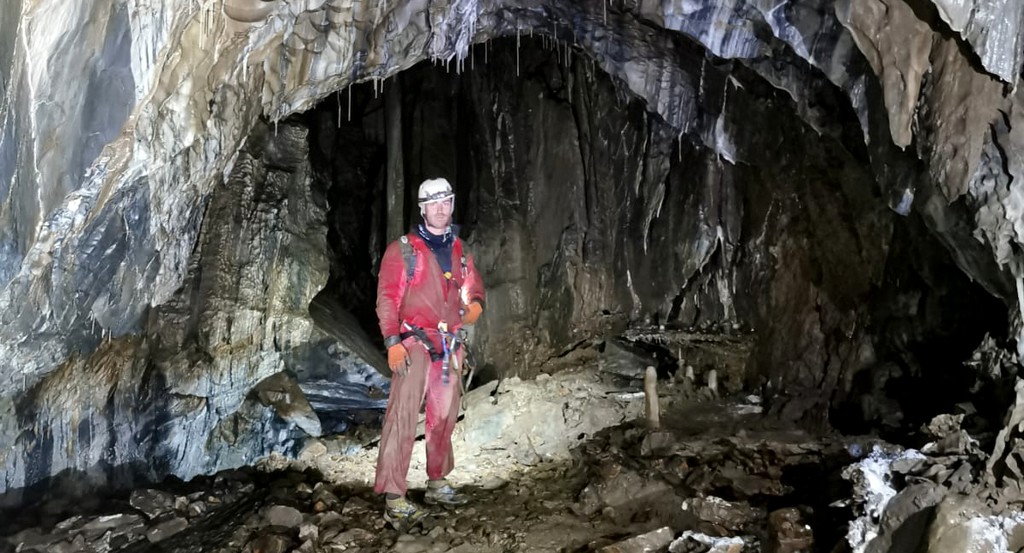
428 298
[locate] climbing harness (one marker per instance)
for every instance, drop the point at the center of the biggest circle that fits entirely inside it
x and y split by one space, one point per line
442 328
450 344
409 255
469 366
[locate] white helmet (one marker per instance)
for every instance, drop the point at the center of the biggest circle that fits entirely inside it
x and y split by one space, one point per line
434 190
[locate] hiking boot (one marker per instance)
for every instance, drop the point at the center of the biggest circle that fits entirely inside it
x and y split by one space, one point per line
402 514
442 493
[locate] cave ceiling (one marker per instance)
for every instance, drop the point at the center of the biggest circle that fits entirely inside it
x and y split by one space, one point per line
173 89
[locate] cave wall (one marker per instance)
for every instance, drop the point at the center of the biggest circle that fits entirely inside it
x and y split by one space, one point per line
200 388
89 256
588 215
289 62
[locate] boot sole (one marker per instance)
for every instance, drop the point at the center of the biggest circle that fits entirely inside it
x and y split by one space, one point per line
441 503
404 525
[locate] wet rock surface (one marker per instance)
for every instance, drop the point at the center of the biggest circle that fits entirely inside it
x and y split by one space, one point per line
567 463
816 202
207 213
592 493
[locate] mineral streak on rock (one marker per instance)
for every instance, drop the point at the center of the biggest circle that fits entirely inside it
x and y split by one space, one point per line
161 239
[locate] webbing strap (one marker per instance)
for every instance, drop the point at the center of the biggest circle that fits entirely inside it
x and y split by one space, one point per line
409 256
447 356
444 356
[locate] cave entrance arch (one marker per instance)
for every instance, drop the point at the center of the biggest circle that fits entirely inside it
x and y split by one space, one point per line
590 216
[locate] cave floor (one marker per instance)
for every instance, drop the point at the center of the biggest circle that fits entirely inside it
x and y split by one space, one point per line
715 470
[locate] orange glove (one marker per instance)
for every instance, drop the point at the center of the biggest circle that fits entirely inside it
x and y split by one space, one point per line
472 313
398 359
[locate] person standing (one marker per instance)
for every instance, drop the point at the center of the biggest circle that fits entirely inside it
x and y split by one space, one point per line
428 288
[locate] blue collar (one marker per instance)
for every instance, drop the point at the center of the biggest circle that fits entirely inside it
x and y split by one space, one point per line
436 240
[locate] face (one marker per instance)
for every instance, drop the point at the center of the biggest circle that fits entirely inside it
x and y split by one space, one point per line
438 215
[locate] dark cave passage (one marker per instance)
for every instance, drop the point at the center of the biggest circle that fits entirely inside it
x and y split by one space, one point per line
594 222
589 217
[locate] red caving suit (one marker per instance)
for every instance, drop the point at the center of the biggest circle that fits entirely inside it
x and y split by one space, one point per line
426 300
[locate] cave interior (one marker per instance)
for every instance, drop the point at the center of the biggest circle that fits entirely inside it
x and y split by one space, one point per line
764 257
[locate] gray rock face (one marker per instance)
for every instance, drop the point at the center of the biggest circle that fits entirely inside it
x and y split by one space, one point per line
899 60
160 240
176 400
282 515
40 118
152 503
655 540
284 394
993 28
166 529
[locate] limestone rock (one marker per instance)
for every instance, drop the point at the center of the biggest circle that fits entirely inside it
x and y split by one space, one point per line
308 531
313 449
32 539
721 515
324 500
621 489
197 509
658 444
692 542
166 529
152 503
964 523
790 532
898 58
992 27
905 522
284 394
1008 441
283 515
620 359
269 543
356 505
655 540
163 238
118 523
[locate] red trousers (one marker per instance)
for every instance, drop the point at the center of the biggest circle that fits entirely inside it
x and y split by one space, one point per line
423 381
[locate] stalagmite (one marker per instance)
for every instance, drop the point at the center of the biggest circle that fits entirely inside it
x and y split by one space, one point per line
651 409
713 381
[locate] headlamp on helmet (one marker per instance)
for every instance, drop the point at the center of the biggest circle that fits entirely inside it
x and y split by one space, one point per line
434 190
